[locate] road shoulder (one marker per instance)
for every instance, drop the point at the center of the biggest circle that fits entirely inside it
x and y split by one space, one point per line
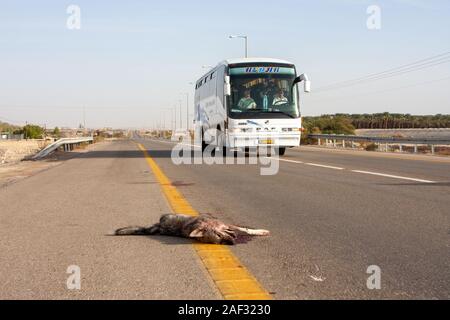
64 217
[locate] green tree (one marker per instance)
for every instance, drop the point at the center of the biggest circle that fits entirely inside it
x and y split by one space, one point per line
344 122
339 124
57 132
32 132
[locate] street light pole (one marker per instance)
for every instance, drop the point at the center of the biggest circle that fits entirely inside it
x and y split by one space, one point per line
181 117
175 118
84 118
187 111
171 120
246 42
246 46
174 122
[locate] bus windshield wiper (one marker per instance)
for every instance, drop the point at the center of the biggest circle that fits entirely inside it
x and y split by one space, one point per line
267 111
285 113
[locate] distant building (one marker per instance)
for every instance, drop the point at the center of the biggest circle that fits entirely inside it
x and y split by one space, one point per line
10 136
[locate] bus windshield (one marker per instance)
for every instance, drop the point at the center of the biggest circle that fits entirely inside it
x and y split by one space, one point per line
263 91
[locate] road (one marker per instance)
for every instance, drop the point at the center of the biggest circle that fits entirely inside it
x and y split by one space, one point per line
331 214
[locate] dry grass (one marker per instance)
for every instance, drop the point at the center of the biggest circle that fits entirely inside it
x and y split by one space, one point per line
443 151
12 151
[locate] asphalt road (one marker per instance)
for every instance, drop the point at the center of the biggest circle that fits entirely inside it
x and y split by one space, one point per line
328 226
330 217
63 217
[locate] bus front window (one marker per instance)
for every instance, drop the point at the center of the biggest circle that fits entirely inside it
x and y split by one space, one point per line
264 93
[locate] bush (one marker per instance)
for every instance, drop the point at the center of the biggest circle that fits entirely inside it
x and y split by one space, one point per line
56 132
329 125
371 147
31 132
325 125
118 135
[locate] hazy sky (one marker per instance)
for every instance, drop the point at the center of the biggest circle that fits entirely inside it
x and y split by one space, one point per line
132 59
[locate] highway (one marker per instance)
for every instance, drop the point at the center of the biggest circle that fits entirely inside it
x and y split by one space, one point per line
332 214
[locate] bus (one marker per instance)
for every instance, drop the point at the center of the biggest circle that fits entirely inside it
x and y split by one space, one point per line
248 103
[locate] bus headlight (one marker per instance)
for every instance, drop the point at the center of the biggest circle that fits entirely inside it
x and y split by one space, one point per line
240 130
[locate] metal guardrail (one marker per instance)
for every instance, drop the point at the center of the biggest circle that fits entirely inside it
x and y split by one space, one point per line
67 143
332 139
393 140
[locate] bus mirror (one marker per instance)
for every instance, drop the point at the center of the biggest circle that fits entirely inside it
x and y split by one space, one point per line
227 86
307 86
227 89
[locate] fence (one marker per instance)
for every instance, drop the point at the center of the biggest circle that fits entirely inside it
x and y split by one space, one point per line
381 143
10 136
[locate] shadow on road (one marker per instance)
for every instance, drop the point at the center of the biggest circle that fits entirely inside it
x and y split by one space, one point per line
126 154
172 241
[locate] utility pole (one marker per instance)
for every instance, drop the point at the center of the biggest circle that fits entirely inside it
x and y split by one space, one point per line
181 116
171 118
174 119
84 118
187 111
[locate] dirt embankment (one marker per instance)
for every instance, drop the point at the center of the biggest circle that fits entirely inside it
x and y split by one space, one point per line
15 151
16 169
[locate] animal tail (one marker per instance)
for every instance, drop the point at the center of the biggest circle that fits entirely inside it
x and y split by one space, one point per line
137 231
253 232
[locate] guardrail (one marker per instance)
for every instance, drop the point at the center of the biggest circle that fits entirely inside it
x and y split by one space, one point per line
67 143
333 140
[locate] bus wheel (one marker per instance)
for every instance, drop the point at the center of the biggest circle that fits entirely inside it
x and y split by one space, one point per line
224 151
204 145
281 151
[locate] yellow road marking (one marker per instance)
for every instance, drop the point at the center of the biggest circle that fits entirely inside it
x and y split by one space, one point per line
232 279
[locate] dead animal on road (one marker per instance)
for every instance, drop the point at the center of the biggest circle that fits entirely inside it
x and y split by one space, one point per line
204 228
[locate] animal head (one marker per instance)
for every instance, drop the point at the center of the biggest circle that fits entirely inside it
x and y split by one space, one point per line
214 235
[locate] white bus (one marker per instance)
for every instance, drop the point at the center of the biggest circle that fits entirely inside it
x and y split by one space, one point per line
251 103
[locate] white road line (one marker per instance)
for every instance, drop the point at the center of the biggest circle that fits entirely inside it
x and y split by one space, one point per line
338 168
324 166
392 176
291 161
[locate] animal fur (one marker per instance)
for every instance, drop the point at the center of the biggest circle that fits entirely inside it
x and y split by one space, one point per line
204 228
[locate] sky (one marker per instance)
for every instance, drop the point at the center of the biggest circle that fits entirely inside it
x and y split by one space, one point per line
131 62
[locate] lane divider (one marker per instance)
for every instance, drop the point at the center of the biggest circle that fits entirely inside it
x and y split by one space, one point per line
392 176
342 169
286 160
323 166
230 276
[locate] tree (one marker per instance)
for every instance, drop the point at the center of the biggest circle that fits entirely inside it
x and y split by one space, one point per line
342 122
329 125
57 132
32 132
6 127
